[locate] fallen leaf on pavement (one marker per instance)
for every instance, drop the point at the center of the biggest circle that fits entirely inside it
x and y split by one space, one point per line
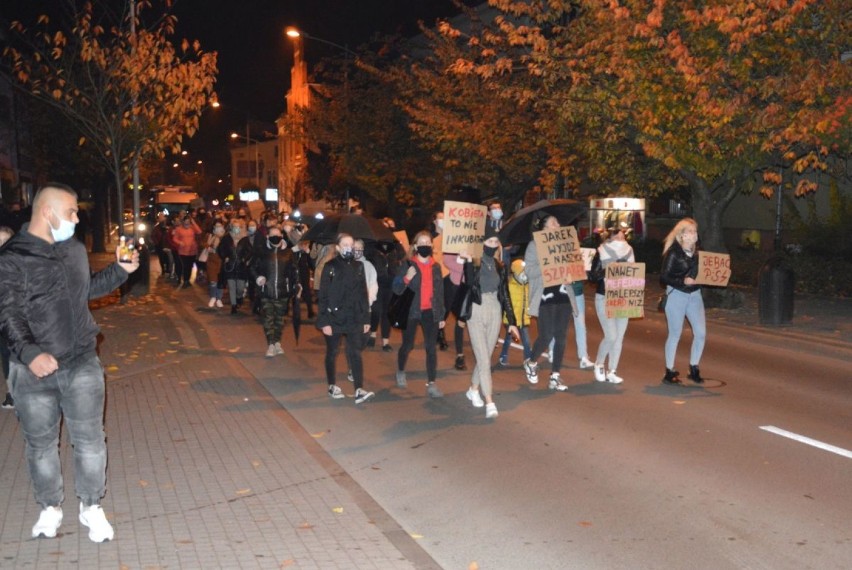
143 483
112 368
170 351
318 435
174 342
473 566
415 535
337 510
585 523
256 463
287 563
306 526
679 402
235 349
243 491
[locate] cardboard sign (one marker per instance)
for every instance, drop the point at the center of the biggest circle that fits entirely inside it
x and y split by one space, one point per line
256 208
713 268
560 256
625 290
464 227
588 257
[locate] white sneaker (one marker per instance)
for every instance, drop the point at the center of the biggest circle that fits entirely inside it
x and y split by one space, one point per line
474 397
278 349
99 527
350 376
600 374
531 370
219 304
270 351
48 522
612 378
335 392
586 363
212 302
555 383
491 411
362 395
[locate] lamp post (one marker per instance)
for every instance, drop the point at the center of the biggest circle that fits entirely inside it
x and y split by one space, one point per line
296 35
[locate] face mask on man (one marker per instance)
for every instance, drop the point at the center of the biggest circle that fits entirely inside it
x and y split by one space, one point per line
65 230
424 250
347 253
235 230
488 251
251 230
497 213
358 253
275 241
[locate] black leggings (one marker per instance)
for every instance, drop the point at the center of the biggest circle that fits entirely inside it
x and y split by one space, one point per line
379 312
450 290
553 322
354 346
186 262
430 340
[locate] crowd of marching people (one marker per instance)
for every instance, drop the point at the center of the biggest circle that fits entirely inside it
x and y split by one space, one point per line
359 290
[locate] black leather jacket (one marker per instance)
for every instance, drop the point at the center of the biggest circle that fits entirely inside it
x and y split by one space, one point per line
399 286
279 269
471 277
343 300
44 294
677 266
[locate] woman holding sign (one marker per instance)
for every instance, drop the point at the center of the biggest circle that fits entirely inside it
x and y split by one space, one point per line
490 294
680 268
614 249
554 307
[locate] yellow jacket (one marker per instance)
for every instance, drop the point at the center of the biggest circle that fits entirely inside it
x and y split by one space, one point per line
520 295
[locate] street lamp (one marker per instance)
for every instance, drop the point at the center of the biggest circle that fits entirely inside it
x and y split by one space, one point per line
296 35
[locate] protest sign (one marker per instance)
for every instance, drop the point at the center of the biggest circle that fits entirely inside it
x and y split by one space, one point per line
625 290
464 227
256 208
713 269
559 255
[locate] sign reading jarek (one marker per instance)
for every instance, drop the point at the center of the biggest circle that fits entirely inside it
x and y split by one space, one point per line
464 227
713 269
559 255
625 290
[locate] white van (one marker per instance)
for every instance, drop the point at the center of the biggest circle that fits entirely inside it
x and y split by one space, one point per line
174 199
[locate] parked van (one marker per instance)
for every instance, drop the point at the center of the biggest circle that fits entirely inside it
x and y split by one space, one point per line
174 199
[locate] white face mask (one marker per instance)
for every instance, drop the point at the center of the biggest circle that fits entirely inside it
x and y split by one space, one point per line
496 213
65 230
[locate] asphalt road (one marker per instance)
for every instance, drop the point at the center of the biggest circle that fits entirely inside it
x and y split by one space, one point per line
600 477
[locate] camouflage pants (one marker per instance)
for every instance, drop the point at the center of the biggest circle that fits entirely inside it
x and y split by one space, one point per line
273 318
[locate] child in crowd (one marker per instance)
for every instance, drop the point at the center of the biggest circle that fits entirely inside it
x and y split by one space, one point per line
519 293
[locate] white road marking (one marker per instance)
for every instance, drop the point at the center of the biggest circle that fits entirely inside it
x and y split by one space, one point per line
808 441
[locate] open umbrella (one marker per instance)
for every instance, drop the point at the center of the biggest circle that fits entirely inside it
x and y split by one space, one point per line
356 225
521 225
297 317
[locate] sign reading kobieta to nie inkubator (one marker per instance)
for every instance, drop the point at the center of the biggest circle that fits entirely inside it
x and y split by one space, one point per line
559 255
464 227
713 269
625 290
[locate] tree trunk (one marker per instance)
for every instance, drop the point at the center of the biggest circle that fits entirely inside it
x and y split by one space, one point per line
99 216
709 202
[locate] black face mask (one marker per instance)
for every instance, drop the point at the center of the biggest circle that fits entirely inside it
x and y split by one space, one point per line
275 241
424 250
488 251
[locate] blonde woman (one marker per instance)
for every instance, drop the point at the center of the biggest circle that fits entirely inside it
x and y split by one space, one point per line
422 274
680 267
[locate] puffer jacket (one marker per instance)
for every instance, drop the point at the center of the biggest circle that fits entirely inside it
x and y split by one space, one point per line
343 301
44 294
278 267
677 266
519 293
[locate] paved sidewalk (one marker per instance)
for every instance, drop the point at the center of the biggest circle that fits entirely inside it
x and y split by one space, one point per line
206 470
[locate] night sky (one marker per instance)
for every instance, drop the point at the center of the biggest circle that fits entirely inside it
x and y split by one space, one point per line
254 54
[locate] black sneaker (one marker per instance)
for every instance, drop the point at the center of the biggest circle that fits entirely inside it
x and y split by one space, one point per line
362 395
460 365
371 341
695 375
8 403
671 377
387 348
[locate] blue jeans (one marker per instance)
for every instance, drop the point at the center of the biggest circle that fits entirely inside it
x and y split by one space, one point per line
77 394
613 339
525 340
691 306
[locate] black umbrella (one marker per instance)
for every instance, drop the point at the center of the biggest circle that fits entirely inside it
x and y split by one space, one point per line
356 225
520 226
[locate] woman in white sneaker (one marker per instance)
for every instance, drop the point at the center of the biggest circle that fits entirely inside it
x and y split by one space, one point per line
614 249
489 290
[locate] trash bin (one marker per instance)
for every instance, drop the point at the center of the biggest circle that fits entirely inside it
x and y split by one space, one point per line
775 292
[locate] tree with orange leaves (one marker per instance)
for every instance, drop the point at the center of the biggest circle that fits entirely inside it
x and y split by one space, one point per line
720 92
129 91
